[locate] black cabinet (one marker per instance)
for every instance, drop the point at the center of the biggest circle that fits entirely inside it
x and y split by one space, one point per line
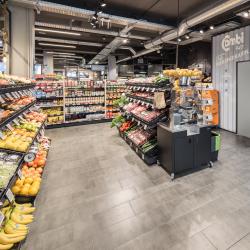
179 152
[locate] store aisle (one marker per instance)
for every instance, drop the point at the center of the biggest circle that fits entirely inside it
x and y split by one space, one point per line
97 194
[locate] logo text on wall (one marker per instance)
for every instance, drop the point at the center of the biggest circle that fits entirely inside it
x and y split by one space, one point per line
229 41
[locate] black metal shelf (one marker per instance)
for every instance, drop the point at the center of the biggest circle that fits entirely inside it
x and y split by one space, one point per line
146 125
16 114
49 98
84 96
141 99
90 104
15 175
15 88
148 159
85 88
85 113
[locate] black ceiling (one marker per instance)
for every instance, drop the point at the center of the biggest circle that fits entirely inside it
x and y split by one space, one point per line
159 11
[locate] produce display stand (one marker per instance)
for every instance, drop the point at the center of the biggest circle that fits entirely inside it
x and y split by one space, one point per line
149 158
149 88
15 88
16 114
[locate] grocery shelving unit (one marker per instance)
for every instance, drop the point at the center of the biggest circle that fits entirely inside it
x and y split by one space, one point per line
141 95
50 96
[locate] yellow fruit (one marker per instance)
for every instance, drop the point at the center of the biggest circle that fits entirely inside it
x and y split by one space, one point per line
24 191
33 191
6 247
19 182
6 240
28 180
15 189
27 185
37 179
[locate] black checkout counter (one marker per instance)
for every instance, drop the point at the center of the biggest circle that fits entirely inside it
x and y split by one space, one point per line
183 150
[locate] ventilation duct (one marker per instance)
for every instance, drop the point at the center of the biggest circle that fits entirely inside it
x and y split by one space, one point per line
188 23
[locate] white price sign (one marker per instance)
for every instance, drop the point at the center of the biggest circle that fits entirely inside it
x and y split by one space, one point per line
1 218
10 195
1 135
16 122
9 127
19 173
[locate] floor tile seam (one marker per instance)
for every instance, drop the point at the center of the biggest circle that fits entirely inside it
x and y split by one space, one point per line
208 240
238 241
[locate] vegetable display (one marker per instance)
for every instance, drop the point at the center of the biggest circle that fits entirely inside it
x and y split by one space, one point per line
117 121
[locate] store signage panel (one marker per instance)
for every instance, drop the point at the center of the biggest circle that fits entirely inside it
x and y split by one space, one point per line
228 49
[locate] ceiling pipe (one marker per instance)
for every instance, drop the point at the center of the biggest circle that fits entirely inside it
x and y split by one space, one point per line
141 53
56 40
83 13
85 30
129 48
188 23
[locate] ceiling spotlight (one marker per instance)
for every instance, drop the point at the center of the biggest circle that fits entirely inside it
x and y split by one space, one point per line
245 14
211 27
125 40
187 36
95 16
158 51
201 31
96 62
103 4
99 11
178 40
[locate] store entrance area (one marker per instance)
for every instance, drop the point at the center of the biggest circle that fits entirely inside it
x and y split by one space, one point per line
98 194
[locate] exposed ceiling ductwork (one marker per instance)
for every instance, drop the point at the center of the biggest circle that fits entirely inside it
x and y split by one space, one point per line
112 46
191 22
56 40
83 13
94 31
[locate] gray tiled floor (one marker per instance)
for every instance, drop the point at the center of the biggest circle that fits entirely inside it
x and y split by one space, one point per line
97 194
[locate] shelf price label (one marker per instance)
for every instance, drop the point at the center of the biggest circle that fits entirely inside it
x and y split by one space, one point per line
136 150
2 100
148 89
153 90
143 156
9 127
1 218
10 196
16 122
139 122
21 118
145 127
1 135
19 173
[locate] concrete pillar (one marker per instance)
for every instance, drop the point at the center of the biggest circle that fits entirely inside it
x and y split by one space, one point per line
22 44
112 69
48 63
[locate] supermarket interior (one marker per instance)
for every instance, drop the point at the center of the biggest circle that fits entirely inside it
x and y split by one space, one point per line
124 125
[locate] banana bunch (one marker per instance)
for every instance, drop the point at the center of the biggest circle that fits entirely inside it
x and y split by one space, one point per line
15 228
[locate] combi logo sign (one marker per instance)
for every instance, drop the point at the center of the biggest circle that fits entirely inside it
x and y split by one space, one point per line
229 41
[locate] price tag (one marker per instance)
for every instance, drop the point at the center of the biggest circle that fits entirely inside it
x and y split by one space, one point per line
147 105
1 218
1 135
10 196
148 89
143 88
19 173
143 156
145 127
133 119
136 150
139 122
2 100
130 144
18 94
9 96
9 127
16 122
21 118
153 90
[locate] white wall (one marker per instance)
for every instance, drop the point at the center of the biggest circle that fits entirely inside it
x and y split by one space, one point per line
228 49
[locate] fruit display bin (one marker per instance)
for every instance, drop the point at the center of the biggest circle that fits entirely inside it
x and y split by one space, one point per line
15 88
149 158
146 125
16 114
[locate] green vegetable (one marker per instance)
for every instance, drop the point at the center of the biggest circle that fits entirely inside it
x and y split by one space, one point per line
117 121
121 102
